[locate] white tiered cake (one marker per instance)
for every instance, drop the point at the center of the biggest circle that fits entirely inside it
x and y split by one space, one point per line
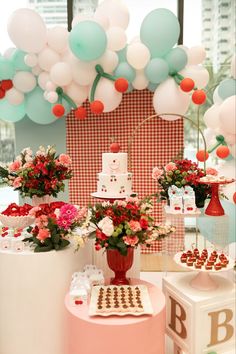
114 181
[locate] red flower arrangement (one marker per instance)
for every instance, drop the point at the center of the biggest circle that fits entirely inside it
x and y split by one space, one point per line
182 173
124 224
41 174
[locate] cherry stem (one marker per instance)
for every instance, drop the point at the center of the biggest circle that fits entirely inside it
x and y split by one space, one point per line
220 141
100 73
63 95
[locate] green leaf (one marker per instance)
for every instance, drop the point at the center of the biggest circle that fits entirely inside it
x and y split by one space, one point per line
64 243
42 249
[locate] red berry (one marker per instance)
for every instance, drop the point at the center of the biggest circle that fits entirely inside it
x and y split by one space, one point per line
234 197
2 93
222 152
6 85
121 85
187 84
114 147
78 302
80 113
58 110
199 97
97 107
202 155
98 247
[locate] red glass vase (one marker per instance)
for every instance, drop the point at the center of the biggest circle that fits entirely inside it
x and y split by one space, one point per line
120 265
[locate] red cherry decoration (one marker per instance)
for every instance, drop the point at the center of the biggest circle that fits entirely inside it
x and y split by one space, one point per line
187 84
97 107
80 113
58 110
2 93
6 85
202 155
114 147
222 152
199 97
121 84
234 197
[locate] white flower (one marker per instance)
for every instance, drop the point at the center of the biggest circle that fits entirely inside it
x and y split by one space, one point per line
27 151
106 204
106 225
41 151
28 158
147 208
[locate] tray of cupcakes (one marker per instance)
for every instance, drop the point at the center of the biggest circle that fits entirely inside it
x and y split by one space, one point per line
204 260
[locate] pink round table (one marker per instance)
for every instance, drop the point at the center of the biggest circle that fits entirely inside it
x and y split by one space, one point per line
128 334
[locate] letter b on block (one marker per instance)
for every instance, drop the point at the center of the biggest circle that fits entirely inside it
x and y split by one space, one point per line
177 318
215 325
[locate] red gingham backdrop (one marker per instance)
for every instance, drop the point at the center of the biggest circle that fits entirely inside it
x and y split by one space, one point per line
154 144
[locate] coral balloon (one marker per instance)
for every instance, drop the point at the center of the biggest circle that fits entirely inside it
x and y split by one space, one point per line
121 85
58 110
199 97
222 152
234 197
187 84
6 84
80 113
97 107
2 93
202 155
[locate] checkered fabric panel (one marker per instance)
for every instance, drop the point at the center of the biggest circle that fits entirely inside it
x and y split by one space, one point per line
154 144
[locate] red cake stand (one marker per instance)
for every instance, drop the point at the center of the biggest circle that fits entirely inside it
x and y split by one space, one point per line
214 207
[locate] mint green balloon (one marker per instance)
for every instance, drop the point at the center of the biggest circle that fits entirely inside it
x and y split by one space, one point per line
227 88
37 108
7 70
88 40
152 87
176 60
122 54
160 31
17 59
156 70
11 113
126 71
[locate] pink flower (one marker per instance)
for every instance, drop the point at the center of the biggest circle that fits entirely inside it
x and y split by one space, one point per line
43 234
130 240
34 210
68 211
17 182
211 171
171 166
64 159
132 200
106 226
41 221
28 165
81 213
15 166
64 222
157 173
135 226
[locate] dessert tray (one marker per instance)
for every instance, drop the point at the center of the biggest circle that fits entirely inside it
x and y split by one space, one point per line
120 301
108 196
196 212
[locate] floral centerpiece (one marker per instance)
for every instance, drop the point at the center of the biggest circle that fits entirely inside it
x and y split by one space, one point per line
126 223
182 173
55 225
38 175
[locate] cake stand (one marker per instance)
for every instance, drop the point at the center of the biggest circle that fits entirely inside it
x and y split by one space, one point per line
215 208
110 198
203 280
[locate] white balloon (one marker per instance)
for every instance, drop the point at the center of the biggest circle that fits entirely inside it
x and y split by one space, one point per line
31 60
233 67
117 13
80 18
14 96
102 19
24 81
168 98
210 135
211 116
135 39
77 93
112 100
47 58
230 139
116 38
197 73
228 169
58 39
61 74
50 86
43 78
27 30
233 150
140 82
228 115
82 73
52 97
36 70
216 97
45 95
196 55
8 53
138 55
109 61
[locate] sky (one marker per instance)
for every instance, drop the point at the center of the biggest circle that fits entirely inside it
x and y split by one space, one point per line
137 9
